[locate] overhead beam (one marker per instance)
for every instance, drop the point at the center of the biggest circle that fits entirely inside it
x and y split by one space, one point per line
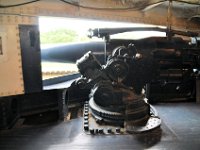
57 8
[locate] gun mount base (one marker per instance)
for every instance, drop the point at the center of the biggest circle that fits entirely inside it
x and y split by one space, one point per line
96 125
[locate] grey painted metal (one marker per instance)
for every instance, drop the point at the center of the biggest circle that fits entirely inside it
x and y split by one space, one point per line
180 130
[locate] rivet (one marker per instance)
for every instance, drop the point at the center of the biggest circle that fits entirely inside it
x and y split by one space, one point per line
97 131
86 127
85 117
92 131
85 121
118 130
85 114
101 131
109 130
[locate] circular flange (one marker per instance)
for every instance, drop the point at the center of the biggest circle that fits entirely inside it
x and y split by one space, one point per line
152 123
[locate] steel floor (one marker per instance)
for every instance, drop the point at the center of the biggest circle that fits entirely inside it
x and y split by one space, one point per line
180 130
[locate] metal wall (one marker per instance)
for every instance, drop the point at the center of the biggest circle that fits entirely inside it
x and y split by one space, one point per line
11 76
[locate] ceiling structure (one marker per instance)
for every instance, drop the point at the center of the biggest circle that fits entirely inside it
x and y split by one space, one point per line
182 14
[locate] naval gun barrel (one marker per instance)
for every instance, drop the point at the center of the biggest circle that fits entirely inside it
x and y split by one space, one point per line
105 32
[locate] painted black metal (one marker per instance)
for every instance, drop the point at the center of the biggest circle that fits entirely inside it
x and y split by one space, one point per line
31 59
72 52
57 80
38 102
105 32
166 81
9 111
14 107
62 103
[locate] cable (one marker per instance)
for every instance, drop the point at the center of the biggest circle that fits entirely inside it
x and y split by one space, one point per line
128 8
190 3
7 6
98 8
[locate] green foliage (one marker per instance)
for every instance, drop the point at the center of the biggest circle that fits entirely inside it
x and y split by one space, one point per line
58 36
